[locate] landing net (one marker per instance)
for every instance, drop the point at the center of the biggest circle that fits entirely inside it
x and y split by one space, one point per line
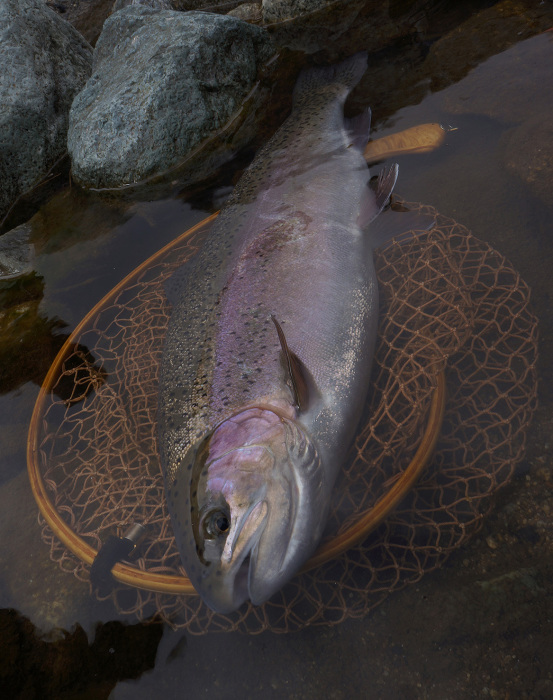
451 307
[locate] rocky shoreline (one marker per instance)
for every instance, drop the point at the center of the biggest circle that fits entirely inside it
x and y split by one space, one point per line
173 89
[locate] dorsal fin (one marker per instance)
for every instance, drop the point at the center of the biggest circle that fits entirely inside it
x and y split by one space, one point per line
295 370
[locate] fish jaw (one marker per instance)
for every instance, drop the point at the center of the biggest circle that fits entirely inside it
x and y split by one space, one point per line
226 586
254 511
297 519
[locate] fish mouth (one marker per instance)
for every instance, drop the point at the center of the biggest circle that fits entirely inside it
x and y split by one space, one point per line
229 588
241 581
271 493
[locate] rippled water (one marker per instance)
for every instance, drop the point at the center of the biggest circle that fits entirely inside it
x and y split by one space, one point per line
480 627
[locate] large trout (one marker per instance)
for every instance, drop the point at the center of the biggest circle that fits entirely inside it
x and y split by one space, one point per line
269 350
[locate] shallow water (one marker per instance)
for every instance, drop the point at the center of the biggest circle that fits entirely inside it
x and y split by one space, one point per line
481 626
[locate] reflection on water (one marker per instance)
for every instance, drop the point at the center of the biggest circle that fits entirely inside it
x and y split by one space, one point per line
433 640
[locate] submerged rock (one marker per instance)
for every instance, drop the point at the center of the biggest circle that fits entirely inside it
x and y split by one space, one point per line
528 153
309 25
16 252
518 98
519 72
45 62
164 84
279 10
338 28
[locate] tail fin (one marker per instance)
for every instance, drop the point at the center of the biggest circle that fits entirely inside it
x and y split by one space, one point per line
344 76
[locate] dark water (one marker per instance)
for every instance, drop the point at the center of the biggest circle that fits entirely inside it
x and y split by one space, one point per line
481 626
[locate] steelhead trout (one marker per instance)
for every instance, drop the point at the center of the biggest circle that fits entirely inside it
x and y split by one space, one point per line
269 349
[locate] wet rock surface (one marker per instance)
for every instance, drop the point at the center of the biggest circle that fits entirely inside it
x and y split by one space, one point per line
221 6
45 62
163 83
152 4
87 16
315 26
34 666
248 11
16 252
280 10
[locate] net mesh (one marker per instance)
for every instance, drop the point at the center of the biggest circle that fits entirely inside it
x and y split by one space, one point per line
450 303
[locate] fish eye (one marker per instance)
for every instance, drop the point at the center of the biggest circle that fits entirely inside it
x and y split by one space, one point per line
216 523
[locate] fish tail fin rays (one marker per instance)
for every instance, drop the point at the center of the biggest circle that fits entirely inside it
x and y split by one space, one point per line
344 76
392 224
359 128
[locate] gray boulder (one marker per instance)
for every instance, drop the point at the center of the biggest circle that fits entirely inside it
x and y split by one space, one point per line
248 11
165 86
152 4
280 10
207 5
45 62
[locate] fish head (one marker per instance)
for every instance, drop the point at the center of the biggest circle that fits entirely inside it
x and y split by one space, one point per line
254 510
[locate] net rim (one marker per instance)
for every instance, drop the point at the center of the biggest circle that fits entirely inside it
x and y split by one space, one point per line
181 585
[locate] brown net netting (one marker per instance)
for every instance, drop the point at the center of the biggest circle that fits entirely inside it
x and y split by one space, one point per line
451 307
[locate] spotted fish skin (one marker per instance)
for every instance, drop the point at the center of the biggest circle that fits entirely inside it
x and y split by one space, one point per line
248 472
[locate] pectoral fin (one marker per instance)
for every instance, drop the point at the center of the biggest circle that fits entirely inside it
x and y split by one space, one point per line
376 200
296 371
385 185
